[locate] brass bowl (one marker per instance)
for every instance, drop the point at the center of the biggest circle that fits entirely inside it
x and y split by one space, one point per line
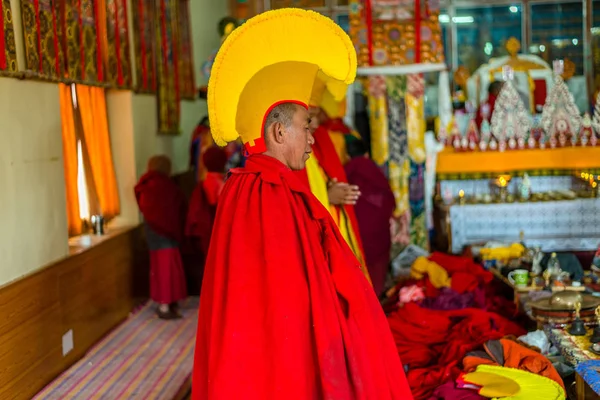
565 301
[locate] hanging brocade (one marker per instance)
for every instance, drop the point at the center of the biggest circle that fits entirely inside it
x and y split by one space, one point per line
396 32
398 166
8 51
118 72
40 29
168 71
144 25
275 4
186 58
376 90
415 121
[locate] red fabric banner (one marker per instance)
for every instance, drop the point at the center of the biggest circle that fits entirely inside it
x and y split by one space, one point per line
142 17
36 5
118 46
99 64
417 31
2 48
55 42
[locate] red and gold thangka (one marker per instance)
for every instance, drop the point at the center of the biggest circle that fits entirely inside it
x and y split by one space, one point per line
8 53
167 67
118 68
187 83
144 34
396 32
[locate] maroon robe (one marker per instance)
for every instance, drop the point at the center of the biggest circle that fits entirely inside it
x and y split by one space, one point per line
374 210
163 206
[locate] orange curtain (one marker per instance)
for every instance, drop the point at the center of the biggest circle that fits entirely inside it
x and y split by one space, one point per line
92 108
69 139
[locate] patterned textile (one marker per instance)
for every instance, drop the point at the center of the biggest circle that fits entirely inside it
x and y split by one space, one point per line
119 65
144 34
144 358
42 50
168 71
378 119
398 138
415 121
186 59
275 4
395 33
418 226
590 372
8 51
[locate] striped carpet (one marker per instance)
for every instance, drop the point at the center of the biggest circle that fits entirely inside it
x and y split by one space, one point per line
144 358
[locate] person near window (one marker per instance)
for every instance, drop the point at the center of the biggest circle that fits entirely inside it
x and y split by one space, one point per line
163 205
374 210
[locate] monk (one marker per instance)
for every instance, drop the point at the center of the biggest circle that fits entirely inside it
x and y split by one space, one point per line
203 203
324 173
163 206
374 211
285 311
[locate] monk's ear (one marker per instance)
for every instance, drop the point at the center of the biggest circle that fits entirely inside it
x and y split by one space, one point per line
278 132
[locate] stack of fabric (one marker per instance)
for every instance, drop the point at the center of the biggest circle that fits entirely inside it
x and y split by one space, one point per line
444 312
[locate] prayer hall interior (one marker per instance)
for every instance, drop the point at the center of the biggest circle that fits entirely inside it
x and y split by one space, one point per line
461 168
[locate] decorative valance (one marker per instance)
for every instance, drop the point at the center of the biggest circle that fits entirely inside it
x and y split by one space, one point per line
8 54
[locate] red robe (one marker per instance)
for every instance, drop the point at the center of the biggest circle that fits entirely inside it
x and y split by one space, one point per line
374 209
163 205
324 151
285 311
202 210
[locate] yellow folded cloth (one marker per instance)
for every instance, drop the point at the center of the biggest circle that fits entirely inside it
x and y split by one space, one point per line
438 276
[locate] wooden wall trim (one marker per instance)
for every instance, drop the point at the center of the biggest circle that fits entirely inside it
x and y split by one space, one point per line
90 293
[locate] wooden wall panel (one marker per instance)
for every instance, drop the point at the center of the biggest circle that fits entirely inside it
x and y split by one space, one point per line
90 293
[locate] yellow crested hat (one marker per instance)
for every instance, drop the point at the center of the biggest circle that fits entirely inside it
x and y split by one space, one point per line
274 58
329 95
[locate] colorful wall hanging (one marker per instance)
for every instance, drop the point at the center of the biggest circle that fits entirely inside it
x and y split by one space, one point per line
8 52
144 35
167 67
43 53
78 31
187 82
118 71
396 32
297 3
398 145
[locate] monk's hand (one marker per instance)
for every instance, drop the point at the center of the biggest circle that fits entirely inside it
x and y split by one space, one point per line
352 193
337 192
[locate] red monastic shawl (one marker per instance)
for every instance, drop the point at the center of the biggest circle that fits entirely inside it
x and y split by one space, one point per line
285 311
162 203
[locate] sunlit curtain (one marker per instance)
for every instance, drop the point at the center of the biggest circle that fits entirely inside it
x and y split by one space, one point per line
92 108
69 139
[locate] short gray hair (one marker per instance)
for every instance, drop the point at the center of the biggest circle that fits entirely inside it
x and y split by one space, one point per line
282 113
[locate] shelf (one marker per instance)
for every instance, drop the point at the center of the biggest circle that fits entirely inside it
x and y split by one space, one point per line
570 158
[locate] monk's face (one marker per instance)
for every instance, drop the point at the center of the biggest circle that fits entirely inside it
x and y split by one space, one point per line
314 117
298 140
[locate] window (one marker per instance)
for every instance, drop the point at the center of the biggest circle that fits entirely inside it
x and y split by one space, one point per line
90 181
481 32
557 32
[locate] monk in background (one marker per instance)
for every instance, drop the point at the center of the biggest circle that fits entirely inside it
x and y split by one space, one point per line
285 310
324 173
374 210
163 206
203 203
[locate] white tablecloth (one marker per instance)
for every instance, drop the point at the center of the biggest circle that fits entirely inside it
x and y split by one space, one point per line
554 226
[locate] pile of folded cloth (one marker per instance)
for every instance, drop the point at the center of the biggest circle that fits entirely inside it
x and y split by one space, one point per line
447 313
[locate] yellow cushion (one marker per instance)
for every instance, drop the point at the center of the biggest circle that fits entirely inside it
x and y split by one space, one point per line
272 58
